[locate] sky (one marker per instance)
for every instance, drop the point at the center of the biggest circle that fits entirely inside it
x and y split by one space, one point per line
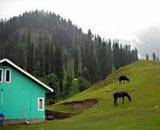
116 19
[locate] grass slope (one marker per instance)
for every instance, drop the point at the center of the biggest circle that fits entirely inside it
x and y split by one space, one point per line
140 114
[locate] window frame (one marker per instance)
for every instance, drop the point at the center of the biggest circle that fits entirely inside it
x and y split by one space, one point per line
1 75
40 109
6 76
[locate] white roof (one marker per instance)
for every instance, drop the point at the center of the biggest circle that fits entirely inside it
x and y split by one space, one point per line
26 73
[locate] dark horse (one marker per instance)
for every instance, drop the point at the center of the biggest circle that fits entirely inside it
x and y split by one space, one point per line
120 94
123 78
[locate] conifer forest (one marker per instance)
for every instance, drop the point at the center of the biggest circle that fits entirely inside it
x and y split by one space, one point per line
58 52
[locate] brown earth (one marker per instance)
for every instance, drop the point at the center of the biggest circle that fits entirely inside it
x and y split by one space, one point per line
81 104
77 105
50 115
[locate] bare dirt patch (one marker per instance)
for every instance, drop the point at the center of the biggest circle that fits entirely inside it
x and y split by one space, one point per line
81 104
51 115
78 106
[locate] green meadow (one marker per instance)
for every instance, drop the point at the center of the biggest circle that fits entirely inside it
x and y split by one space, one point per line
143 113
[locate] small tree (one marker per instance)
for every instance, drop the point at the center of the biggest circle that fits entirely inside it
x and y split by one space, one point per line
147 57
76 63
83 84
157 58
59 67
30 54
154 56
52 81
68 85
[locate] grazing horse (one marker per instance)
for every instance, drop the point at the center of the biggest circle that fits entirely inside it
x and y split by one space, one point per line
120 94
123 78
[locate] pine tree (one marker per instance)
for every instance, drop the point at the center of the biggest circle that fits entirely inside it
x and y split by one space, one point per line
147 57
46 56
52 81
85 74
76 63
91 62
68 85
52 59
59 67
135 54
83 84
30 54
116 56
154 56
109 58
39 54
102 59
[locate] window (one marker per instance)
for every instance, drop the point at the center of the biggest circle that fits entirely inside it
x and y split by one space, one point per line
1 75
40 104
8 76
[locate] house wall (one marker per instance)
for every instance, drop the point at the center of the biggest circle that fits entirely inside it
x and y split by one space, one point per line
20 97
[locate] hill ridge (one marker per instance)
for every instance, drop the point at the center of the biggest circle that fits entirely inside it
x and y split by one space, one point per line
144 70
141 114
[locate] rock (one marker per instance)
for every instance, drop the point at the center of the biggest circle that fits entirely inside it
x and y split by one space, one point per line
27 122
156 106
50 117
109 89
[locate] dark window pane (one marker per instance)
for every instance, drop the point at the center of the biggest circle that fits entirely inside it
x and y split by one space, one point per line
8 73
40 107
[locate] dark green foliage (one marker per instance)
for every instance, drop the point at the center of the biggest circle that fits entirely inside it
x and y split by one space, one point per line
147 57
59 66
68 85
30 54
76 63
51 59
123 55
83 84
154 56
116 55
39 57
109 58
89 59
45 43
52 81
104 55
47 58
85 73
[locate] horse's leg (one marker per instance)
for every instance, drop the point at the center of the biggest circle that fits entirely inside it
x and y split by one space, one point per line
123 100
115 102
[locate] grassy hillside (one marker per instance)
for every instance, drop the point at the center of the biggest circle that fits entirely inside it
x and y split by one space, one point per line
140 114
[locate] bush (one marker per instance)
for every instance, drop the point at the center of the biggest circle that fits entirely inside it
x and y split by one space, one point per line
83 84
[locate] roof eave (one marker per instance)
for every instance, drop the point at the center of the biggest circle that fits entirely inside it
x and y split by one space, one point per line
26 73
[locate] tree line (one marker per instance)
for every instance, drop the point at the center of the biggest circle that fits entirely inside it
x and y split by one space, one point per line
56 51
154 57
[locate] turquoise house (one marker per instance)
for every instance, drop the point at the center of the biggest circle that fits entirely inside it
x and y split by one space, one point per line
22 96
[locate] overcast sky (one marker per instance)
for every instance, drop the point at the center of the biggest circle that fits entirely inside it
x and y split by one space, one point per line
122 19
